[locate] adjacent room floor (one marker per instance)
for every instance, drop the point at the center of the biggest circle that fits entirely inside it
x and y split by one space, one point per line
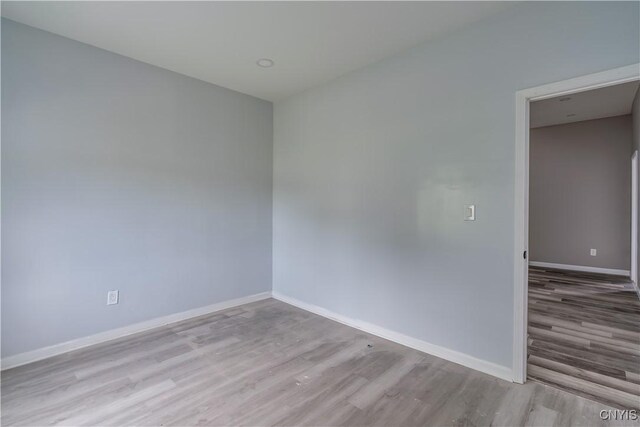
584 335
269 363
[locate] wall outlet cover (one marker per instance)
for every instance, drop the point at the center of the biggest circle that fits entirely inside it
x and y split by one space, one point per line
593 252
112 297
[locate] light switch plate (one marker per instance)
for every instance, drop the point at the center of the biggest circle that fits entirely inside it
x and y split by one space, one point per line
593 252
112 297
469 212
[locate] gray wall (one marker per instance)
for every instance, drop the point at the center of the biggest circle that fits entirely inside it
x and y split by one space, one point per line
121 175
580 193
371 172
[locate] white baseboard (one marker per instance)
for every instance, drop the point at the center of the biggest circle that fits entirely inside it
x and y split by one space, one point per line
56 349
580 268
490 368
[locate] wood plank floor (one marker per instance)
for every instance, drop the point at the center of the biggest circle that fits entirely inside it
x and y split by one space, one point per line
268 363
584 335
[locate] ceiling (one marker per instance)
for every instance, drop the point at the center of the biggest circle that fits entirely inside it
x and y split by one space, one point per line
220 42
592 104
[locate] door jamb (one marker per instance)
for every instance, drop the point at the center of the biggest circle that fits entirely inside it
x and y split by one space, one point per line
521 236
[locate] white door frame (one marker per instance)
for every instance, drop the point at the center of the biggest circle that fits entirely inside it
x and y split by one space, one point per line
521 240
634 217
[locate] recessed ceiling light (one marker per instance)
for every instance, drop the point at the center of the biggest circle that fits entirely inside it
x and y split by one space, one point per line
566 98
265 62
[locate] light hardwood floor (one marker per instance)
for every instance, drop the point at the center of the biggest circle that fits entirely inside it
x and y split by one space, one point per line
584 335
268 363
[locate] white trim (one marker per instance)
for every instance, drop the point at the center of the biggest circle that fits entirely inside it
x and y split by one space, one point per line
523 98
56 349
634 218
580 268
521 221
502 372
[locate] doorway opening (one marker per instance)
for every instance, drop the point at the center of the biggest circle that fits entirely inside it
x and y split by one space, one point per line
576 235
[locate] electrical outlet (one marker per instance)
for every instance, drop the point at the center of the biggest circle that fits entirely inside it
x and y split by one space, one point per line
112 297
594 252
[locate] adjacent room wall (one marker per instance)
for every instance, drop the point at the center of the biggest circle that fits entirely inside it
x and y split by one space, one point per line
120 175
580 193
372 171
635 145
635 117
